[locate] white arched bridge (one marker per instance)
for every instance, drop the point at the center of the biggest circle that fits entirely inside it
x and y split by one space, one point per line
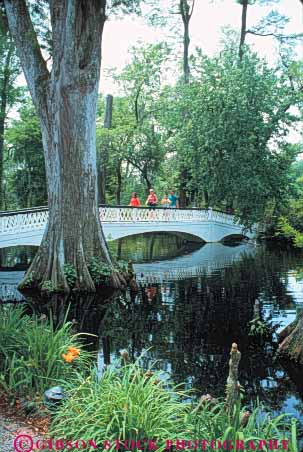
26 227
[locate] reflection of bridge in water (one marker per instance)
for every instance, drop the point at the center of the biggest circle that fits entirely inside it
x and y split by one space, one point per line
26 227
207 259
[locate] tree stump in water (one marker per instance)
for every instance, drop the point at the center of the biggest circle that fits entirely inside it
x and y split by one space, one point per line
291 346
233 385
256 309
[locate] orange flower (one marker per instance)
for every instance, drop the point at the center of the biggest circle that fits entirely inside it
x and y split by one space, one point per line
69 357
74 351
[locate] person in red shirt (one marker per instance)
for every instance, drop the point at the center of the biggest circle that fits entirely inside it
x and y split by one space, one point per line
152 199
134 200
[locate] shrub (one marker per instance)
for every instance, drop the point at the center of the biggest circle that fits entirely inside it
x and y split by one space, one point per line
212 422
48 287
286 230
130 404
70 274
99 271
126 404
31 352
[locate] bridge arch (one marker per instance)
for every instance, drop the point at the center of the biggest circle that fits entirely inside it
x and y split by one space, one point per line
206 233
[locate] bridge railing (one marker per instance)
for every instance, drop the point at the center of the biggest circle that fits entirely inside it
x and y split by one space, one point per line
31 219
23 221
121 214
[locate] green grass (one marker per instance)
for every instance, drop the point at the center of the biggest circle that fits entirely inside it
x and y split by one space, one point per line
31 353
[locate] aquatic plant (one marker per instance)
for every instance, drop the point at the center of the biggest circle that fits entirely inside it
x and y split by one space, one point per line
259 327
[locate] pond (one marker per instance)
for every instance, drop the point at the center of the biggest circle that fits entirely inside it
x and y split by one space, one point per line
194 301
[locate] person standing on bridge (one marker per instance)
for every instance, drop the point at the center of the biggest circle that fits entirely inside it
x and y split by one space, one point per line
165 202
134 200
152 199
174 202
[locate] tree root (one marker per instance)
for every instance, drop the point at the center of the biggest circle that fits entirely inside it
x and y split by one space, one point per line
292 345
289 328
64 265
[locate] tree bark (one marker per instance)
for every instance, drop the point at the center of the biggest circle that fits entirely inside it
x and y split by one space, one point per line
206 198
292 345
186 13
105 151
146 179
119 182
186 41
3 112
66 101
243 28
182 191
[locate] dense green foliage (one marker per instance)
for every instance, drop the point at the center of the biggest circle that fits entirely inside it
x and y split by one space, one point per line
31 353
10 92
288 225
129 404
222 138
229 126
24 169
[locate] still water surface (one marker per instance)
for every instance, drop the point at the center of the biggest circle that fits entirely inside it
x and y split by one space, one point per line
194 300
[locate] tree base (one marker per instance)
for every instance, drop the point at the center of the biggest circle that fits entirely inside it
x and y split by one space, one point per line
118 280
291 346
69 260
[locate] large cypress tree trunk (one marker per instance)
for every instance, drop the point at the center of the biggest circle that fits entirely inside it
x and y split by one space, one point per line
291 346
66 102
2 126
74 233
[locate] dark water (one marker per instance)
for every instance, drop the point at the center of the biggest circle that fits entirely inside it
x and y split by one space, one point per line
193 302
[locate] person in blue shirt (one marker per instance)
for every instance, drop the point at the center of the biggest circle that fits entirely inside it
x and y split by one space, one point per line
174 203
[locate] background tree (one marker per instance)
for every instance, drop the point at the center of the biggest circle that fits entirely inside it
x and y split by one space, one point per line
117 139
141 81
233 134
163 14
9 94
273 24
24 166
102 157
